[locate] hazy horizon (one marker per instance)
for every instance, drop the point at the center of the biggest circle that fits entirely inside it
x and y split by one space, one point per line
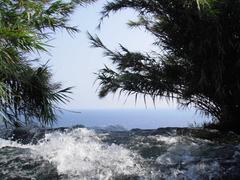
131 118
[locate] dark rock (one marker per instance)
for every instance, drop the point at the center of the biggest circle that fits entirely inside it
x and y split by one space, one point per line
60 129
31 135
211 134
165 131
78 126
27 135
115 128
143 132
21 164
111 128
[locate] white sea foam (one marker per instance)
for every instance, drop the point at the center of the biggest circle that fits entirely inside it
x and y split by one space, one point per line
81 154
166 139
183 157
179 152
4 143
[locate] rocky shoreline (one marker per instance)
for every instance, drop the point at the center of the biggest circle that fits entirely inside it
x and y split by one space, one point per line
26 135
163 153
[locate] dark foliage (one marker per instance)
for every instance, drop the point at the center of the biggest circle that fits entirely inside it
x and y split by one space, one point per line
198 63
27 92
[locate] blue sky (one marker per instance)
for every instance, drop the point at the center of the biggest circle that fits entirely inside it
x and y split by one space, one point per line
74 63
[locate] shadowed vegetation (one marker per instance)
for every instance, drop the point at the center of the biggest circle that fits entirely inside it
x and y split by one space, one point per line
198 62
26 91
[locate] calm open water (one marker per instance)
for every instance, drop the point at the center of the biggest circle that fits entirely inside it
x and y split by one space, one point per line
134 118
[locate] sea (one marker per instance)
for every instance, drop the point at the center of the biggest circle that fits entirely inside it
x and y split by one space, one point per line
131 118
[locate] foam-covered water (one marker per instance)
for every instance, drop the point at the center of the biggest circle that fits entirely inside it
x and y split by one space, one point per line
81 154
84 154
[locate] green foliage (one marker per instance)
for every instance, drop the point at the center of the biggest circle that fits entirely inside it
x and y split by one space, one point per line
27 92
198 61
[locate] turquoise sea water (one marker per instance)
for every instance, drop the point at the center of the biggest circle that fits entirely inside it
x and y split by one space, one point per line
134 118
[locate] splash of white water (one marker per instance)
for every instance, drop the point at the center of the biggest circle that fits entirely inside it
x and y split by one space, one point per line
81 154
